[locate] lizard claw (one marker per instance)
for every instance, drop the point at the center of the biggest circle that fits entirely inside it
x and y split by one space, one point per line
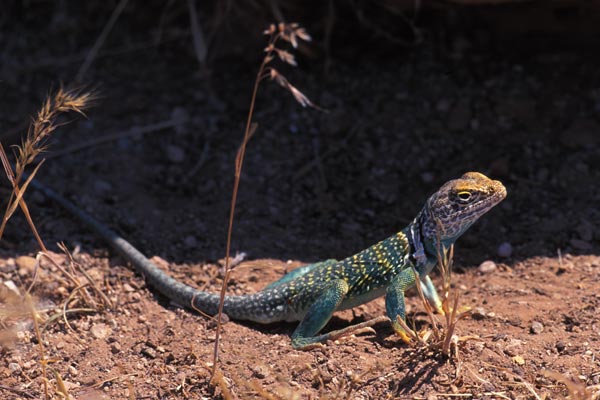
404 336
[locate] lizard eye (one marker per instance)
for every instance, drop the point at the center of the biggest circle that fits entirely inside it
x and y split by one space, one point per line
464 196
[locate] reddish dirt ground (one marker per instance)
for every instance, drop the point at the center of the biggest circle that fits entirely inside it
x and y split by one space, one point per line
316 185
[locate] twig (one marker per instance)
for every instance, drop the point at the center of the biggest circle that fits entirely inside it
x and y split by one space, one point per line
100 41
197 35
115 136
17 391
38 335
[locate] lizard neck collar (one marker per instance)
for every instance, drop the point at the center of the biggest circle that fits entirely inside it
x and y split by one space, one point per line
424 236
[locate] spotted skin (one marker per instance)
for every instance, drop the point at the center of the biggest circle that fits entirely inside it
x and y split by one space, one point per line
311 294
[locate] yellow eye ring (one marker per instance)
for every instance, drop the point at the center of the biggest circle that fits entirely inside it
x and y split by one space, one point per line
464 195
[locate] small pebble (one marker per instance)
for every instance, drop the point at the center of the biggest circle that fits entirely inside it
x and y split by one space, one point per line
561 346
102 187
100 331
14 367
259 371
580 244
73 371
128 288
115 348
487 266
175 154
519 360
427 177
149 352
25 263
180 115
536 328
478 313
190 242
505 250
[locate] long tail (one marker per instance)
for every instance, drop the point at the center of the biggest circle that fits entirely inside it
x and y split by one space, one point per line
266 306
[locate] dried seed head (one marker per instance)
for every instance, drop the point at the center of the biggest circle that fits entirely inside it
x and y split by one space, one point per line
286 57
270 30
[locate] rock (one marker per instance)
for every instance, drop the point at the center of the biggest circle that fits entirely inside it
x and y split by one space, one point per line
536 328
181 116
505 250
128 288
102 187
487 267
580 244
149 352
560 346
175 154
259 371
518 360
115 348
478 313
26 265
190 242
585 230
14 367
427 177
73 371
100 331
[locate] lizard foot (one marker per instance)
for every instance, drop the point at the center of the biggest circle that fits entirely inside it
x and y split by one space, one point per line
308 343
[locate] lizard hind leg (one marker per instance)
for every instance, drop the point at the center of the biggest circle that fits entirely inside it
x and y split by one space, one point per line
305 336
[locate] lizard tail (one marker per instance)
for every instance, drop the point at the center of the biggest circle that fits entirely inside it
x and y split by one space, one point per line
264 307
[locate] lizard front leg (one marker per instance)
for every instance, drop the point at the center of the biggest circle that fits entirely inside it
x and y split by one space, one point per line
394 300
431 294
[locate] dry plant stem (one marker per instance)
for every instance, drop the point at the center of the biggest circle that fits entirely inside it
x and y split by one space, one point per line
92 283
220 381
101 39
38 336
17 194
61 387
290 33
17 391
198 37
45 122
250 128
114 136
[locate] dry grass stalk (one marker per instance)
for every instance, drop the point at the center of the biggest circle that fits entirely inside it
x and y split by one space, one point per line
444 340
89 59
577 389
38 335
35 142
290 33
200 48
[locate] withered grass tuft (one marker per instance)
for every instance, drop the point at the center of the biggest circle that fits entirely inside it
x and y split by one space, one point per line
14 306
35 142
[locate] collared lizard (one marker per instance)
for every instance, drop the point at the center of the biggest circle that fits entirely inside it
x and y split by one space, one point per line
311 294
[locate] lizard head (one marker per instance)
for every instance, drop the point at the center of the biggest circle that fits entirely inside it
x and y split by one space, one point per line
459 203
